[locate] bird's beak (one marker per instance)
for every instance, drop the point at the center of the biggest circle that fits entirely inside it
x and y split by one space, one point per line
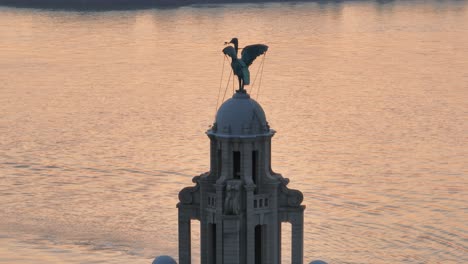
226 43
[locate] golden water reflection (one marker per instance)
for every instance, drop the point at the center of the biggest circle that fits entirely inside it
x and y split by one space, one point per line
104 114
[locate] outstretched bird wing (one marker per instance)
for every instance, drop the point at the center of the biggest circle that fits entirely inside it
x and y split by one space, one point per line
230 51
251 52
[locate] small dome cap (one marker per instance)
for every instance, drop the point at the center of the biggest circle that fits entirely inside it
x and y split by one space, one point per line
240 116
318 262
164 260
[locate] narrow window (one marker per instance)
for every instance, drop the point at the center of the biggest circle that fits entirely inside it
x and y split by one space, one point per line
236 164
261 203
255 203
258 244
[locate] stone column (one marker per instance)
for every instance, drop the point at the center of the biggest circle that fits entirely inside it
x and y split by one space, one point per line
213 157
185 241
203 238
203 219
267 160
280 240
219 222
231 243
250 224
273 225
226 168
297 222
246 163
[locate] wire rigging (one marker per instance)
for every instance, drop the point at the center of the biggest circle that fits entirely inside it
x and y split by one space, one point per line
227 85
261 75
256 75
220 84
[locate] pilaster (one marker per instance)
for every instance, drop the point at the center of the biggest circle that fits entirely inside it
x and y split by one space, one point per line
297 232
185 242
250 224
219 223
231 235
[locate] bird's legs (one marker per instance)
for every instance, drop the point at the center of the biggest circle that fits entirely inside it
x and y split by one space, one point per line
241 84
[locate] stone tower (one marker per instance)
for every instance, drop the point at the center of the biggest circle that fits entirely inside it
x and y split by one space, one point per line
240 202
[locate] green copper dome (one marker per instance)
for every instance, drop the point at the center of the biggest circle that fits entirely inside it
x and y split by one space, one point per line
240 116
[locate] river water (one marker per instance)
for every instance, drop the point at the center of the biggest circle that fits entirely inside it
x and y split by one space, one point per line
103 114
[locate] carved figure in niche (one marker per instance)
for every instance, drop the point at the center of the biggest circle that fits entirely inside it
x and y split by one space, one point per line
231 203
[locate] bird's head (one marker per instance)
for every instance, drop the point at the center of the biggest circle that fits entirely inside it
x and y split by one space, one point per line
234 41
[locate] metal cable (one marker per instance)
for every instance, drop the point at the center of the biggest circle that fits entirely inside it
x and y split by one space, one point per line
220 84
261 75
227 85
256 75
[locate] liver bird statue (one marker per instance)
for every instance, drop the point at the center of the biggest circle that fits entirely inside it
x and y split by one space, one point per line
240 66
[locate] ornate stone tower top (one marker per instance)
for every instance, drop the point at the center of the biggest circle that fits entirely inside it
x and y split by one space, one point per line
240 202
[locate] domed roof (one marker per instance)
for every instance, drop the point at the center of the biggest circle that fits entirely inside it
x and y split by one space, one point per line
164 260
240 116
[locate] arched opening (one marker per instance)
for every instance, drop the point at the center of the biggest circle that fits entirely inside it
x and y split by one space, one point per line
237 164
260 232
255 169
